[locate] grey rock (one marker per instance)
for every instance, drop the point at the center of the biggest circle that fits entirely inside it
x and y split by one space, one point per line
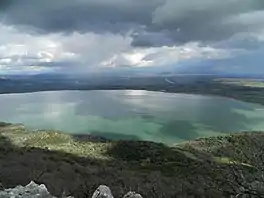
132 195
32 190
102 192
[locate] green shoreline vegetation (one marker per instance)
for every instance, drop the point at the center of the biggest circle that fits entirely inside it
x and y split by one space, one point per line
208 167
247 90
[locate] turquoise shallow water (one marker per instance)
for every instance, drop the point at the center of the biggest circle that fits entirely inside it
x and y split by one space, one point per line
132 114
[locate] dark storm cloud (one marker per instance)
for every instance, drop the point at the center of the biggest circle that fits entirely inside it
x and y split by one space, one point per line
81 15
205 20
154 22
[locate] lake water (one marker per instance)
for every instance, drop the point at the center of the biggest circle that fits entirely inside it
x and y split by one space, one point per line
132 114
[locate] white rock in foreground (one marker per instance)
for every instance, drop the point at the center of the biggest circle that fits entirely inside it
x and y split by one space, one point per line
132 195
103 192
32 190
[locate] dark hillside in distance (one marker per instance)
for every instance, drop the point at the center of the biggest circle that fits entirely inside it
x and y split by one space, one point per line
244 89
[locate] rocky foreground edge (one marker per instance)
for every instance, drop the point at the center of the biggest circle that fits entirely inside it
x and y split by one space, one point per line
33 190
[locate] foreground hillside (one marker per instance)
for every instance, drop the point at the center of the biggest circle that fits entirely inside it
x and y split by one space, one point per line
76 165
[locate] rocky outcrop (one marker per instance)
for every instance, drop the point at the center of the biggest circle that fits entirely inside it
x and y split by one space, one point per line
30 191
102 192
33 190
132 195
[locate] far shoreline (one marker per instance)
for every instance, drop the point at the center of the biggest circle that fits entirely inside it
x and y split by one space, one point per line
149 90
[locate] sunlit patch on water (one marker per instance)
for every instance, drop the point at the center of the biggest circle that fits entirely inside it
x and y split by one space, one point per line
135 92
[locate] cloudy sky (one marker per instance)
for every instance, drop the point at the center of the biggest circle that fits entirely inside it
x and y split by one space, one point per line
89 35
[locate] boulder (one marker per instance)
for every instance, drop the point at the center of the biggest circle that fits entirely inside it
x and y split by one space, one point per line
132 195
102 192
32 190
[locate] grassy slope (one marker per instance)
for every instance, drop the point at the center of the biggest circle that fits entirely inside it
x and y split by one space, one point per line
242 82
77 165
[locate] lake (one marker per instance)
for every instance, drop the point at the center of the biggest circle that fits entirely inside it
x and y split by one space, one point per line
132 114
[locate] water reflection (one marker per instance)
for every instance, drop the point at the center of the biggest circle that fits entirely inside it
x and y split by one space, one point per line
140 115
